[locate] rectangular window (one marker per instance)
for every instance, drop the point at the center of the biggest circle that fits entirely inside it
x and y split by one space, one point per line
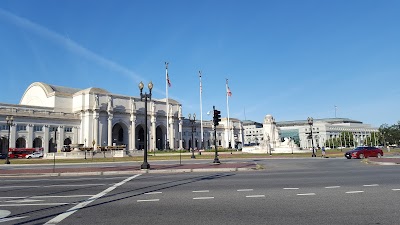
38 128
21 127
3 127
68 129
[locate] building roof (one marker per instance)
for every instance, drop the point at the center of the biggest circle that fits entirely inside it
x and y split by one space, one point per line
325 120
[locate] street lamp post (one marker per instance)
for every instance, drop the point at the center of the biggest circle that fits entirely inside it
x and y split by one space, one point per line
10 120
192 122
145 96
311 122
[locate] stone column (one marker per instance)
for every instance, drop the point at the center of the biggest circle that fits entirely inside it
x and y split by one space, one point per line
180 133
30 136
60 138
132 142
171 133
95 130
109 126
46 138
152 137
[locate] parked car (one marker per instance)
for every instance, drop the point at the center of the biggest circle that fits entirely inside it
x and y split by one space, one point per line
34 155
3 155
364 152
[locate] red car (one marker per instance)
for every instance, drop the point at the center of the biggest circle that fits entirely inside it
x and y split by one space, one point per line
364 152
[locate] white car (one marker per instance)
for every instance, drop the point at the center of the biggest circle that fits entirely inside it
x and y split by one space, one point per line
34 155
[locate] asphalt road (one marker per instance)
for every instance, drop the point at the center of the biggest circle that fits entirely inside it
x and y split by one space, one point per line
288 191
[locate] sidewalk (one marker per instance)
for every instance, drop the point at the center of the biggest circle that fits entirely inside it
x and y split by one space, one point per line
395 160
107 170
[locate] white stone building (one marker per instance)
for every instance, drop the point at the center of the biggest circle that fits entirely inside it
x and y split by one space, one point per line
50 117
323 130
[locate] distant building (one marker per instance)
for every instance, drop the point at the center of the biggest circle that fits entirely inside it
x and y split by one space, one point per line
299 130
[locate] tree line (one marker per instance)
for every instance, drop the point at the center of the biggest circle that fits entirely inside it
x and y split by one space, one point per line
386 135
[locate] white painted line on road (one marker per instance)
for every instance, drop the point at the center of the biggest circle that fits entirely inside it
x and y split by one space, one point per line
354 192
153 193
201 191
24 200
306 194
395 189
62 196
11 197
72 210
245 190
49 196
203 198
73 185
255 196
31 204
11 218
290 188
4 187
333 187
371 185
149 200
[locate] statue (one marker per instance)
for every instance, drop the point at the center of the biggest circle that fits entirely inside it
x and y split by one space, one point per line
133 105
272 140
180 111
96 101
109 103
153 107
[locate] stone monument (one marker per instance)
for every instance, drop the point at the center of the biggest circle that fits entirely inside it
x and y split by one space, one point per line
271 141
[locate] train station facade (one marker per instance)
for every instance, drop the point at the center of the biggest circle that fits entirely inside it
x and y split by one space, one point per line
50 117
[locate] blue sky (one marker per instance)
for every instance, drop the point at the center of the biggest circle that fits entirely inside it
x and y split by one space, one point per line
291 59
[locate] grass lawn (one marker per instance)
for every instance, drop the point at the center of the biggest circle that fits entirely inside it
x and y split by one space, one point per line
175 155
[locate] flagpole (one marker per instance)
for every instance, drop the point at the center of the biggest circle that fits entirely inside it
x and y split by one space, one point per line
227 109
166 91
201 113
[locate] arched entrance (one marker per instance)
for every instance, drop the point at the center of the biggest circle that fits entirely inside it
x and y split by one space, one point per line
3 145
37 143
139 137
52 145
120 134
20 143
67 141
160 140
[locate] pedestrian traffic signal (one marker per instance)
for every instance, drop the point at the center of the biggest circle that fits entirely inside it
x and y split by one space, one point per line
217 117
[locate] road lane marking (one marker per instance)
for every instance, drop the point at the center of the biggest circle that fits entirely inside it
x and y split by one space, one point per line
153 193
203 198
73 185
61 196
290 188
201 191
4 187
395 189
354 192
245 190
306 194
49 196
35 204
332 187
255 196
12 218
371 185
148 200
81 205
24 200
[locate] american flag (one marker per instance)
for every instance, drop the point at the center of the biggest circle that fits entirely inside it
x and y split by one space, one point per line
168 81
228 91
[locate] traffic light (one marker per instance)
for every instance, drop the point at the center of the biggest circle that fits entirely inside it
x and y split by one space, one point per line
217 117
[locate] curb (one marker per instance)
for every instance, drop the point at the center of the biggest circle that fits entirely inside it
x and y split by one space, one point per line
127 172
